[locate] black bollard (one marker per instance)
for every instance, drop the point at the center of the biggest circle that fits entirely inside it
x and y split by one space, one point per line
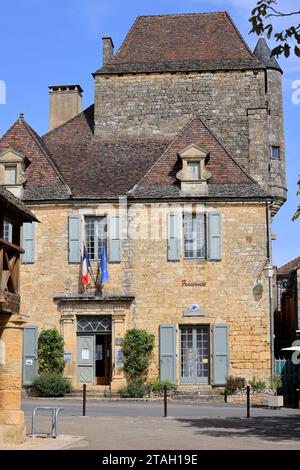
165 402
84 400
248 401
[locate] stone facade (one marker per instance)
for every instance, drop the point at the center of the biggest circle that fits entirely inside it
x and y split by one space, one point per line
243 108
162 290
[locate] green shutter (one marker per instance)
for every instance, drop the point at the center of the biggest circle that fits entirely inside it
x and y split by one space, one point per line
220 354
214 236
167 348
30 342
114 247
28 243
74 239
173 237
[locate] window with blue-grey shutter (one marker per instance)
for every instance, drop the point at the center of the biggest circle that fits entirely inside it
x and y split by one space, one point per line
220 354
214 236
74 239
167 348
173 237
114 246
28 243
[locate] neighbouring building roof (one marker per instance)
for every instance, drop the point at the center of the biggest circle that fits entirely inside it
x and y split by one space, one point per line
69 162
13 205
264 55
290 266
182 42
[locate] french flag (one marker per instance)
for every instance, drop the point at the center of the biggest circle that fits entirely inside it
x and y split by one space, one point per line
85 267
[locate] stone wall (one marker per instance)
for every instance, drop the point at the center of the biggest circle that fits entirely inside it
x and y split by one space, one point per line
225 290
236 105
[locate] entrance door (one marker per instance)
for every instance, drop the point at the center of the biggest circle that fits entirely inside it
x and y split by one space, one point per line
194 354
30 339
85 359
102 359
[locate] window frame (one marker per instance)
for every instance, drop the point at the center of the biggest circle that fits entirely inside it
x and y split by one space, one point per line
277 147
97 239
202 233
6 167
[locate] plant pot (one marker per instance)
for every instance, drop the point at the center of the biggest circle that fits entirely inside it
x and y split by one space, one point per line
275 401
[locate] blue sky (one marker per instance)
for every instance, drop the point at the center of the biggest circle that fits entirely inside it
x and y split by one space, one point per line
56 42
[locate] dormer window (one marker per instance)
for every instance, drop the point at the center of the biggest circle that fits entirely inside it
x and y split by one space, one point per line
10 174
194 175
12 171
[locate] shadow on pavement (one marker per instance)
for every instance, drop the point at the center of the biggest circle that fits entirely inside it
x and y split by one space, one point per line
269 428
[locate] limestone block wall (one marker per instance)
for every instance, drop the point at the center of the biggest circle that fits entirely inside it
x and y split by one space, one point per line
233 291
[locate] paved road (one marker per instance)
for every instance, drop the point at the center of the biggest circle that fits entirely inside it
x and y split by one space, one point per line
135 425
155 409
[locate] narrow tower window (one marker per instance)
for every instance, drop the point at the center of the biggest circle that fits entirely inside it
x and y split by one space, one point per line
275 152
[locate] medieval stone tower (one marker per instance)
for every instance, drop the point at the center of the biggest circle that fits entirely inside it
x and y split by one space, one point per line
172 67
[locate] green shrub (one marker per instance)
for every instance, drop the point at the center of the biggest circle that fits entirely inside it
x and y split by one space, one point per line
51 352
137 349
136 388
158 385
51 384
235 383
257 385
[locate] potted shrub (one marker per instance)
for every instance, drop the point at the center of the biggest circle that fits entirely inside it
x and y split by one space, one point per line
275 400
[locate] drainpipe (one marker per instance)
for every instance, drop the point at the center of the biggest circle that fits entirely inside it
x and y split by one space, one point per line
270 273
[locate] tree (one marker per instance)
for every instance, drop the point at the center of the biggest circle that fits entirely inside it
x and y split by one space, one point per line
264 20
297 214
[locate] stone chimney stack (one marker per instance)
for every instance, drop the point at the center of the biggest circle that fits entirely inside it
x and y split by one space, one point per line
108 50
65 103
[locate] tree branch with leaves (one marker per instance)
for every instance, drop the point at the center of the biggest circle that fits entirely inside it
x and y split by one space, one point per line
263 20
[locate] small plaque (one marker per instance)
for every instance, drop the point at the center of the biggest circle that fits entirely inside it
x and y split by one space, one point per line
193 311
205 360
29 362
119 341
118 359
85 354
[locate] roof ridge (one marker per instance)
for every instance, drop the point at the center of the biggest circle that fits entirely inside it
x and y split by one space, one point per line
37 139
67 122
184 14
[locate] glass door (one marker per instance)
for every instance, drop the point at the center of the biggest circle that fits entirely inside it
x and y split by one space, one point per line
194 354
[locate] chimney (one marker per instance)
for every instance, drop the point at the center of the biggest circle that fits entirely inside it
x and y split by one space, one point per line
65 103
108 50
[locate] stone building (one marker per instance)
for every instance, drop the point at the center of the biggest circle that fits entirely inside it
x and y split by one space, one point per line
287 308
177 168
12 211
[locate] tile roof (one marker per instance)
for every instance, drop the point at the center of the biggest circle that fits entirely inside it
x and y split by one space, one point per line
199 41
94 168
223 167
290 266
41 171
69 162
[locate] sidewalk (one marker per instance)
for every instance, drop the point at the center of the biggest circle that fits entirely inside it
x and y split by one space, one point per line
44 443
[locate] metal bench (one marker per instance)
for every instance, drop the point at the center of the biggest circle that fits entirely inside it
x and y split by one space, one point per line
55 411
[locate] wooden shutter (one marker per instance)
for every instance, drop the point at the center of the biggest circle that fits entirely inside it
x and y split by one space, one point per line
214 236
28 243
74 239
167 347
173 237
220 354
114 246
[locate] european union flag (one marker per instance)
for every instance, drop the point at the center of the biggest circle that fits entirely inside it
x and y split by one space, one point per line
103 266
